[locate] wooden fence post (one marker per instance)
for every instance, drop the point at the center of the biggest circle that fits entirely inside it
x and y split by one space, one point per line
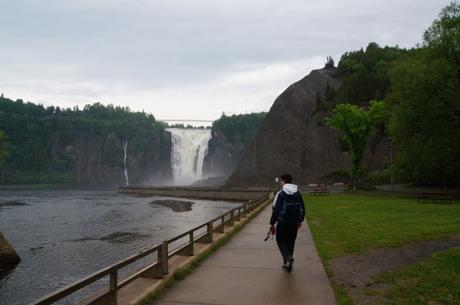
222 226
113 287
238 217
164 258
159 268
191 241
210 237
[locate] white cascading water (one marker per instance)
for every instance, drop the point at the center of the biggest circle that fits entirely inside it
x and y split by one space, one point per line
189 147
125 157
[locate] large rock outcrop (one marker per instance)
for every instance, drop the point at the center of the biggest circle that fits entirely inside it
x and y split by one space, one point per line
8 256
295 139
222 157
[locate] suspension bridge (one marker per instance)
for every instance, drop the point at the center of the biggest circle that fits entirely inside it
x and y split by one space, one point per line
192 122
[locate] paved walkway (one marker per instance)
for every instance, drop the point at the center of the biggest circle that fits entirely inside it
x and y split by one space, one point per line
247 271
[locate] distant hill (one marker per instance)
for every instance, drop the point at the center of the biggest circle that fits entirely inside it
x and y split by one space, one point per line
82 146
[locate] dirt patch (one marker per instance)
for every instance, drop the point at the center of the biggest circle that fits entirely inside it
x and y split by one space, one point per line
355 273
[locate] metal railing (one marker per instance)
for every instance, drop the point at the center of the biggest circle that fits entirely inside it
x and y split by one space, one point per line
158 268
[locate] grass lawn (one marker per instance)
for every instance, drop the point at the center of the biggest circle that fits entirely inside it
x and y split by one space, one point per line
353 223
434 281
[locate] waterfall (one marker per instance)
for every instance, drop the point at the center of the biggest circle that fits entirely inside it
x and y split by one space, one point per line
189 147
125 157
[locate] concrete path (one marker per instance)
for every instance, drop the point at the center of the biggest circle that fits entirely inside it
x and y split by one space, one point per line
247 271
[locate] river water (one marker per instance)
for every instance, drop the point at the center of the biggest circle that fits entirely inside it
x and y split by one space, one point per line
64 235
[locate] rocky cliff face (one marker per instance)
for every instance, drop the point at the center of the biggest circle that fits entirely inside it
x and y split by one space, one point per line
222 157
295 139
149 163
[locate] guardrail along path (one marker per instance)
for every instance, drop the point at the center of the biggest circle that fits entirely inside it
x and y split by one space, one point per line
247 271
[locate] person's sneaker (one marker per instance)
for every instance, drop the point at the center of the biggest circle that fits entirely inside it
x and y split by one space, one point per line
289 265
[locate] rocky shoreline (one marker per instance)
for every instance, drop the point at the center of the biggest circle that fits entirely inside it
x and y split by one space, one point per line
9 258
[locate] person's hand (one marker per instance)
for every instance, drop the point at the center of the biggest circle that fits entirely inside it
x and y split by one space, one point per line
273 229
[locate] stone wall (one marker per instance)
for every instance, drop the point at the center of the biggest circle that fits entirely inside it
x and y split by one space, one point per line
199 192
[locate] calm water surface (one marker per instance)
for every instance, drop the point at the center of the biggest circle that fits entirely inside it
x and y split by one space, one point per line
63 235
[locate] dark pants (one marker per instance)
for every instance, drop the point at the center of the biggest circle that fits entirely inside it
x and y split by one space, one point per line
285 238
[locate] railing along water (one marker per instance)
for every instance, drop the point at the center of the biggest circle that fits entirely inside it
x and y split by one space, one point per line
158 268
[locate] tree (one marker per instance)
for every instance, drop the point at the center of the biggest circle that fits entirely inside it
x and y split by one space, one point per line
241 127
356 123
329 63
442 46
425 97
4 150
443 36
365 73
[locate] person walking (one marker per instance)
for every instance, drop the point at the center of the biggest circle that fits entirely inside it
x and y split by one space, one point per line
288 214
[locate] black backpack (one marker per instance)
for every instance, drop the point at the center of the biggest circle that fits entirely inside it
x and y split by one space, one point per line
292 210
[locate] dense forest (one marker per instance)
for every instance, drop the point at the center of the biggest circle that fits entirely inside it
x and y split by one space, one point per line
420 89
49 145
230 136
241 127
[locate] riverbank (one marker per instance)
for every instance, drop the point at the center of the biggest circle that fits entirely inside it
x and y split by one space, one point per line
8 256
55 186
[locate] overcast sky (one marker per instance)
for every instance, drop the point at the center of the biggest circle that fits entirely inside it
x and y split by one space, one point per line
188 59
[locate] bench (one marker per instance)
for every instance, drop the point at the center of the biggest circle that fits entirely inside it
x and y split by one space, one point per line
435 197
319 191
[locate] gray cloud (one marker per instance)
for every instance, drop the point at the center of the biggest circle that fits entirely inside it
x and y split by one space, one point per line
200 57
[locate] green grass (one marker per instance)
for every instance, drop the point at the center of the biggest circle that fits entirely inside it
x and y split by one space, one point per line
434 281
352 223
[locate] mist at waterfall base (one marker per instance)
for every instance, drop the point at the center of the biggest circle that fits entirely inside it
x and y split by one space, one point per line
188 149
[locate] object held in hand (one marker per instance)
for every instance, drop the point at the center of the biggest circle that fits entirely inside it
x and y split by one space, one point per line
268 234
